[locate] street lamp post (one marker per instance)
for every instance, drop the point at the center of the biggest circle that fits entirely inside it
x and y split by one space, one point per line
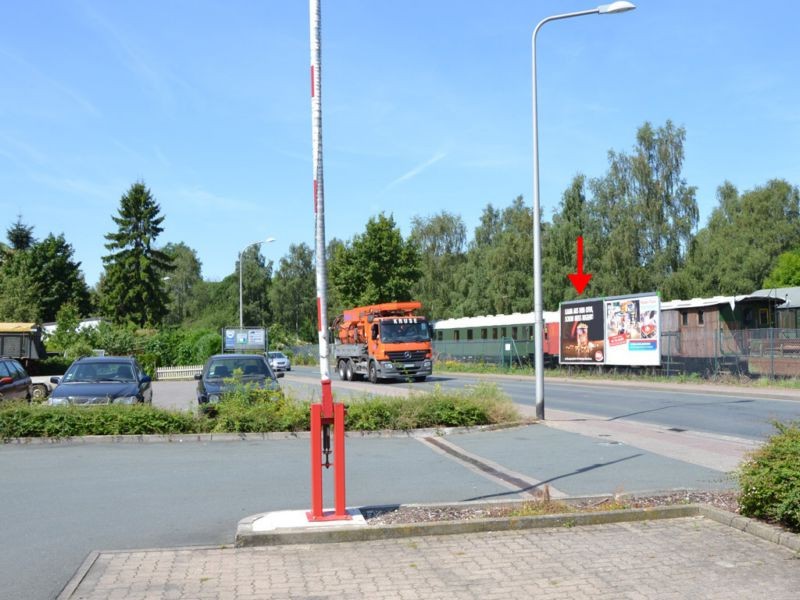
241 253
614 7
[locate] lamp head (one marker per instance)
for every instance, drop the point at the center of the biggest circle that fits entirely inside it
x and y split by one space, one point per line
615 7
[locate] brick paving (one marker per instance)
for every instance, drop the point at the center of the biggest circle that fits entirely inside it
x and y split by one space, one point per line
667 559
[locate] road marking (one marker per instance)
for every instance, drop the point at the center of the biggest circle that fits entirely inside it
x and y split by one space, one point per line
490 470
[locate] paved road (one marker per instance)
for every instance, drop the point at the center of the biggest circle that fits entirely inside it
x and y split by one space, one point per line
62 501
738 412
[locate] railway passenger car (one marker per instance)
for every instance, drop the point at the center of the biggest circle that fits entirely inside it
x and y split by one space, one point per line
502 339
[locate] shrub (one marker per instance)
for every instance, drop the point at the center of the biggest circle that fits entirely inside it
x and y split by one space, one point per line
483 405
250 410
769 481
23 420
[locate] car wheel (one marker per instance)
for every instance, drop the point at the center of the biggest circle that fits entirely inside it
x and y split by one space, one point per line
39 393
342 371
373 372
349 373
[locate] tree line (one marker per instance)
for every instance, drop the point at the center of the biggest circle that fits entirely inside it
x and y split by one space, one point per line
639 222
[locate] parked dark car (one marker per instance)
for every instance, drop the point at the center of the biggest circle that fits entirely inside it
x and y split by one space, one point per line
255 370
14 380
98 380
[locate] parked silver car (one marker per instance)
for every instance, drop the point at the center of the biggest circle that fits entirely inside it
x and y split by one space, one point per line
279 361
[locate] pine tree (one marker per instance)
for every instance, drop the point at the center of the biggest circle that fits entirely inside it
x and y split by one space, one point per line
20 235
132 290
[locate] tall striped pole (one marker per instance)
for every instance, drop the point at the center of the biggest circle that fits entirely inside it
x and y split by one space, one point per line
319 192
324 415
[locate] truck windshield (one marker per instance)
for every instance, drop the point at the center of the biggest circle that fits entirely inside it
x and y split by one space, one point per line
405 330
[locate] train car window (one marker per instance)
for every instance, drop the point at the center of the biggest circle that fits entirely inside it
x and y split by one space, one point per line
494 333
439 336
456 335
484 333
700 318
514 332
469 334
546 336
503 331
530 332
684 317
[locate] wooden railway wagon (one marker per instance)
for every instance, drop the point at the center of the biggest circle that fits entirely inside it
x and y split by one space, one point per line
501 339
724 333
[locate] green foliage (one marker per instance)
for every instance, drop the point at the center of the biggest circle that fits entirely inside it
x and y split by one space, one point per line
182 283
293 296
644 214
769 481
376 266
441 242
19 290
482 405
571 220
786 272
256 284
23 420
58 277
250 410
132 289
20 236
745 235
497 277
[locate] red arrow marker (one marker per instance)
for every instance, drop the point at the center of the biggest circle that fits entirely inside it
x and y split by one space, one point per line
580 279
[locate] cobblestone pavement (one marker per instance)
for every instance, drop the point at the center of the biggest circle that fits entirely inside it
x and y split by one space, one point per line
669 559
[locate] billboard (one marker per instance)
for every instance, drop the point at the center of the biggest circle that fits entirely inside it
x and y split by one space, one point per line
582 332
240 340
633 329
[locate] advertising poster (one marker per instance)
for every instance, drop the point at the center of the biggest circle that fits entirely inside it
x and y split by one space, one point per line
582 333
632 331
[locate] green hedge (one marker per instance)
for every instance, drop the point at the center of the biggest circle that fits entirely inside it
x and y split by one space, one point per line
769 481
249 410
23 420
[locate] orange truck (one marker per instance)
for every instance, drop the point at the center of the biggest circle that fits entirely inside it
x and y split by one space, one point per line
383 341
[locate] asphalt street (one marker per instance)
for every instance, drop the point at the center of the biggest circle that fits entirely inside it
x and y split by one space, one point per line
61 501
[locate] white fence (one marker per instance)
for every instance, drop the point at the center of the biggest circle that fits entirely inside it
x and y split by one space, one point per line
184 372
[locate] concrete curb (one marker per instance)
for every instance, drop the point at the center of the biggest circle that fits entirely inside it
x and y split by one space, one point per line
180 438
246 537
72 585
765 531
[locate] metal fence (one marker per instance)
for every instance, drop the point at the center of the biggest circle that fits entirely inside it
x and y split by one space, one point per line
769 352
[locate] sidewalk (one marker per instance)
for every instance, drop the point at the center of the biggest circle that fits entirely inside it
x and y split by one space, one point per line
674 558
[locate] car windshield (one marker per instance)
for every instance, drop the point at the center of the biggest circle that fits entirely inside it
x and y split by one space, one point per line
96 372
276 355
405 330
221 368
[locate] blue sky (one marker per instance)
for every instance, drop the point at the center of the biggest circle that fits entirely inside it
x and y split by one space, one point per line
426 107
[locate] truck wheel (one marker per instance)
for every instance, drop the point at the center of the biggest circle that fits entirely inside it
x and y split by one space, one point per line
373 372
39 393
349 374
342 371
419 378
